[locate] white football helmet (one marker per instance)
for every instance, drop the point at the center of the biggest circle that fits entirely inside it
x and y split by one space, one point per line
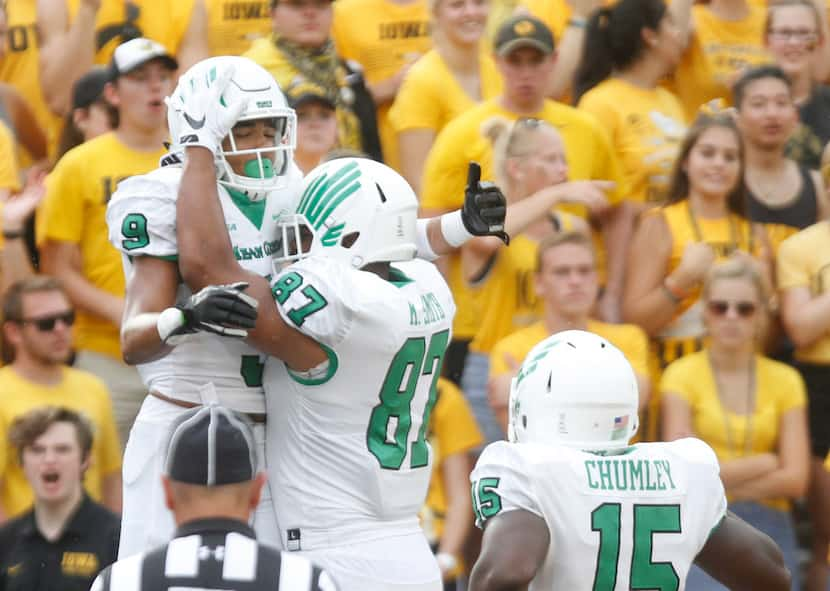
257 88
355 210
574 389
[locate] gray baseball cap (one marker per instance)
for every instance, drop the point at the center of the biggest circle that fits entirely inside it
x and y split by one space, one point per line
211 446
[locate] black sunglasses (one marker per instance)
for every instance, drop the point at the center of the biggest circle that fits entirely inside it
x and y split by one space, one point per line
721 307
47 323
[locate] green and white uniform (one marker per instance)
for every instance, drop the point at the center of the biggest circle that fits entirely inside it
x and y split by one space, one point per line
351 458
142 222
635 520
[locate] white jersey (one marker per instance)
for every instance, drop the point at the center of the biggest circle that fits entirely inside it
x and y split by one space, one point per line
636 520
142 222
348 448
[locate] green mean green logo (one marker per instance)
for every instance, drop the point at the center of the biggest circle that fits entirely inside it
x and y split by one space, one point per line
530 365
323 195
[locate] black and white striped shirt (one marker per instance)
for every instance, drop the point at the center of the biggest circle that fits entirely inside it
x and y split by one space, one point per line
214 554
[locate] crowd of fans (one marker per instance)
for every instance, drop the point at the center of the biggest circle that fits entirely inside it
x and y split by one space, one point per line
665 168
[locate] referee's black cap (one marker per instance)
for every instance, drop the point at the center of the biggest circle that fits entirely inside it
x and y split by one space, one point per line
211 446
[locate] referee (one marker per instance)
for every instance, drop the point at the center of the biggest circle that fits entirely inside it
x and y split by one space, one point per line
212 485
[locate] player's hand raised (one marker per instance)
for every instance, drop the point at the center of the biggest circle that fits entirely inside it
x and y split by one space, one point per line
225 310
206 119
484 206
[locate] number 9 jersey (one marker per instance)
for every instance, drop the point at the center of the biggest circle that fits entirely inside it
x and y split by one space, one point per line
634 520
142 222
347 441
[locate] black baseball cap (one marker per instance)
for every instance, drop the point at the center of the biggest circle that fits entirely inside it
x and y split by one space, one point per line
523 31
137 52
90 87
303 92
211 446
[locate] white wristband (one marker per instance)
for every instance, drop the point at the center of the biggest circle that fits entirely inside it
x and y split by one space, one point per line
452 227
422 241
168 321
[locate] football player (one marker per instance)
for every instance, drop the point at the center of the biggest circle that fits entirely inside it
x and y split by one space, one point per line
255 181
356 330
567 503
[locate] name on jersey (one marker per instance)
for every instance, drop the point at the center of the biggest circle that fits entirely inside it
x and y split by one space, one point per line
403 30
237 11
623 474
246 253
427 312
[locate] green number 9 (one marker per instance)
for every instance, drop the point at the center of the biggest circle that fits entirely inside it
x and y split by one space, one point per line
134 230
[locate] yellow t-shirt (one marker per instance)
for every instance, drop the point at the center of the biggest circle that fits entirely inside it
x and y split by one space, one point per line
779 389
628 338
163 22
452 430
382 36
684 334
9 172
646 128
234 25
80 391
19 67
717 51
430 96
804 261
505 300
265 53
589 156
74 210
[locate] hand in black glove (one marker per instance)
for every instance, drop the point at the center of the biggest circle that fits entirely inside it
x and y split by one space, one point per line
484 206
225 310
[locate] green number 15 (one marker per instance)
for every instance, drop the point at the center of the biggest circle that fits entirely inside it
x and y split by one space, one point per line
645 573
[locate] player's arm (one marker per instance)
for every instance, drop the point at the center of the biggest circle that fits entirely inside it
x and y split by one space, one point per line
743 558
151 290
63 260
194 45
205 250
514 546
66 50
483 214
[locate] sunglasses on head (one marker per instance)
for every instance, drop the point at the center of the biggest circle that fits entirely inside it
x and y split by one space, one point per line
721 307
47 323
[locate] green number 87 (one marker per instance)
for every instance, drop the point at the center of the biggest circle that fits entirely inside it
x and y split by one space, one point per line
134 230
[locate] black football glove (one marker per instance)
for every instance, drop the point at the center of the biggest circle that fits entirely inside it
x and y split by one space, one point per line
225 310
484 206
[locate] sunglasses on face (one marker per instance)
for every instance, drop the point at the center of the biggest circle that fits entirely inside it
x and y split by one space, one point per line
721 307
48 323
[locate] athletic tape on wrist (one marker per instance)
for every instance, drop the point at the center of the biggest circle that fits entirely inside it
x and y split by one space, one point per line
422 241
452 227
168 322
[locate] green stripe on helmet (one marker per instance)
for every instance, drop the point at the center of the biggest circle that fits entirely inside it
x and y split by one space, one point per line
326 193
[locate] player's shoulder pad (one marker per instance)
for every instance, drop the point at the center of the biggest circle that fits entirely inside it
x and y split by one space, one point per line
141 216
319 297
694 451
500 453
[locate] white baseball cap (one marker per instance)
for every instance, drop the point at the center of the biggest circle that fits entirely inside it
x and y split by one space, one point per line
137 52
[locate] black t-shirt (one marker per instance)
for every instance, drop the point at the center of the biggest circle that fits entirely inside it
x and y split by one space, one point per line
30 562
812 134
